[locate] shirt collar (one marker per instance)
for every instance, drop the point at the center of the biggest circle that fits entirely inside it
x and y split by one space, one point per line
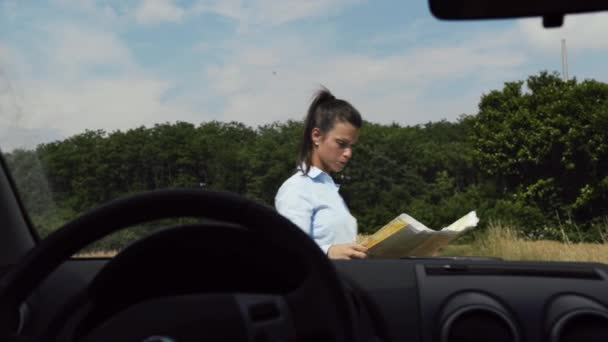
316 172
313 172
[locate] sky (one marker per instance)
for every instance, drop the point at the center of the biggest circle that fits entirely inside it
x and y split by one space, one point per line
71 65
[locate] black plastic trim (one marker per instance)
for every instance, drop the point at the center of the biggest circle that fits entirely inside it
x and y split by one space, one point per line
494 270
13 185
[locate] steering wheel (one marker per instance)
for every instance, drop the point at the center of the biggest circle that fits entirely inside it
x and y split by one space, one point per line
184 287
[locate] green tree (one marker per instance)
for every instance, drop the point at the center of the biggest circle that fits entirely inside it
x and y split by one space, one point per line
548 143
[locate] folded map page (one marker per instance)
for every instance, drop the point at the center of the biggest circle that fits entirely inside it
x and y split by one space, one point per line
404 236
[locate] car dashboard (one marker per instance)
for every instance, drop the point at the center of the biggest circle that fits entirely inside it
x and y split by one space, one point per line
462 300
434 299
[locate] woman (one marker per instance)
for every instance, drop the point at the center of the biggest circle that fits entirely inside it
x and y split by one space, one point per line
310 198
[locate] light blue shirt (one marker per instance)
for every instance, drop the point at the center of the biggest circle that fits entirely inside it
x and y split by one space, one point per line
313 203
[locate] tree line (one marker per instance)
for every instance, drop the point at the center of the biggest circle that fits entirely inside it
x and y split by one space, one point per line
534 156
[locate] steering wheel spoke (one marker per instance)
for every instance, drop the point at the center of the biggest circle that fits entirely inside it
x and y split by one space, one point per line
208 317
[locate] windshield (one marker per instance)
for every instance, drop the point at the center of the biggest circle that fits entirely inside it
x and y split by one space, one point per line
103 99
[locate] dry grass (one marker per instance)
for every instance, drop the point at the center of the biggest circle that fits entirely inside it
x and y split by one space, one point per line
503 242
498 241
97 254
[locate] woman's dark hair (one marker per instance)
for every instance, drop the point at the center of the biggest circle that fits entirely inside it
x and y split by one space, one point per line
324 112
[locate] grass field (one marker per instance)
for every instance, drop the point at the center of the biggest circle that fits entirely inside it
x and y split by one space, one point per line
502 242
99 254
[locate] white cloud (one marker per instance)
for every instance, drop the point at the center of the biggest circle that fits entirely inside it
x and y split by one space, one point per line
67 108
91 8
584 32
71 106
116 103
260 79
72 49
13 137
87 5
263 76
271 12
62 92
260 85
158 11
409 34
278 12
9 9
11 96
228 8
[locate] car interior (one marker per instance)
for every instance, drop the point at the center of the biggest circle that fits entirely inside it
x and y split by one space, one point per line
166 288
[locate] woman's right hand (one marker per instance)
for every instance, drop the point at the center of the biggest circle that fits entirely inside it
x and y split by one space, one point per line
347 251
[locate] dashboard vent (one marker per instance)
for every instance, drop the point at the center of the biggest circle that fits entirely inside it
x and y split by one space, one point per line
575 318
476 317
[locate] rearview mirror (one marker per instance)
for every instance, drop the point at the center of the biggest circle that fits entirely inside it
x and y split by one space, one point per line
552 11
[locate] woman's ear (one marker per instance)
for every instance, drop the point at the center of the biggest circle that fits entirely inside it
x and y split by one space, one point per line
316 136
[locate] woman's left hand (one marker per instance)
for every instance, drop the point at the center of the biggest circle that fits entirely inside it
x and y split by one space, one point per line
347 251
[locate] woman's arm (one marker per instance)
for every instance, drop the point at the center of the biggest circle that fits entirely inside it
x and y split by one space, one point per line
298 206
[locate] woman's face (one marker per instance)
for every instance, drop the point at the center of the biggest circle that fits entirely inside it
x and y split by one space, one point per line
333 150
